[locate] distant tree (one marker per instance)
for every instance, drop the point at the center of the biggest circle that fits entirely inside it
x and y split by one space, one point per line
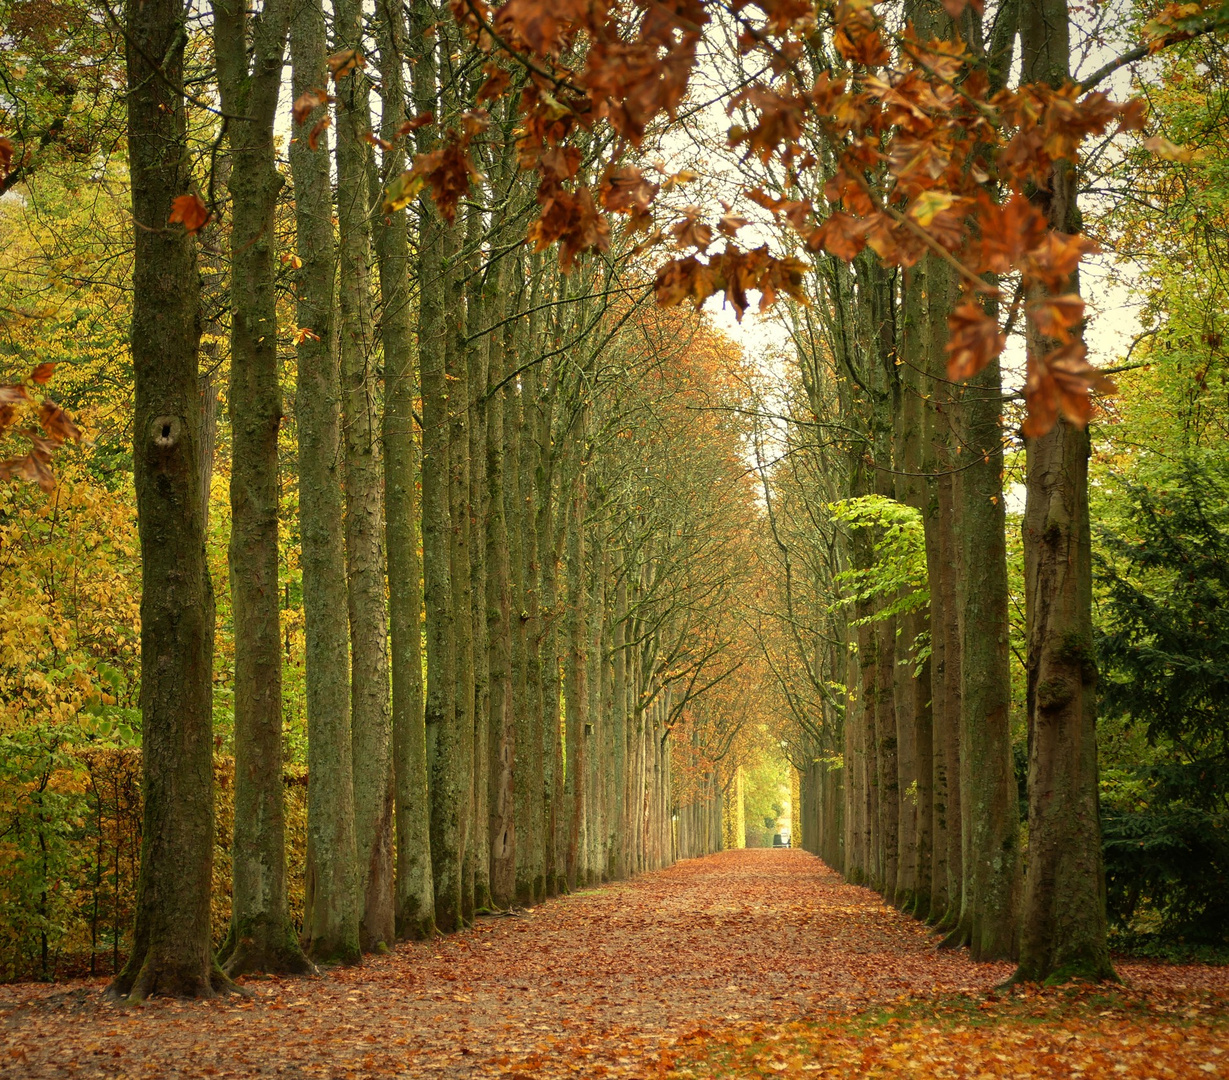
1164 650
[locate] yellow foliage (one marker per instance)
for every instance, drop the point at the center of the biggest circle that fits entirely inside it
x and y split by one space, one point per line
69 609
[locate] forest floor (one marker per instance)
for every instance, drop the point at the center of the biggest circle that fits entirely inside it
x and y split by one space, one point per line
743 964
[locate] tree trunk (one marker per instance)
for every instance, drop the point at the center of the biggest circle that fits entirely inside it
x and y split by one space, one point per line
331 898
261 937
576 697
942 568
618 721
501 745
209 439
478 359
907 438
1063 934
371 728
171 943
992 865
414 906
457 390
530 831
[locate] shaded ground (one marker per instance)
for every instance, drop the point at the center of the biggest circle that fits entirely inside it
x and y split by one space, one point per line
698 970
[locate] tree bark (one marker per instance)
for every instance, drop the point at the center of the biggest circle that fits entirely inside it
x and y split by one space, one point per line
992 847
414 900
331 908
171 948
1063 934
501 742
945 667
261 937
370 723
461 534
530 831
576 696
912 707
478 360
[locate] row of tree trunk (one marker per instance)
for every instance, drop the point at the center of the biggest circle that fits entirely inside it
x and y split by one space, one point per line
908 784
493 642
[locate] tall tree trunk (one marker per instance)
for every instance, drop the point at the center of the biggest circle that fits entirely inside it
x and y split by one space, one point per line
576 697
501 744
1063 934
261 937
457 375
992 862
618 722
530 831
370 723
597 733
479 848
938 461
443 735
171 948
332 904
550 540
912 707
414 905
516 517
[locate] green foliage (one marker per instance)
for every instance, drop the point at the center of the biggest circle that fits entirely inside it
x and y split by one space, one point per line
1163 643
70 839
897 575
41 811
765 793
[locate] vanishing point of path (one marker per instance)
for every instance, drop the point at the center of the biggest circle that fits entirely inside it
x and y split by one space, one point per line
599 983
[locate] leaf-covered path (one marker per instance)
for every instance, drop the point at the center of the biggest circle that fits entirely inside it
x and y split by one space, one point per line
699 969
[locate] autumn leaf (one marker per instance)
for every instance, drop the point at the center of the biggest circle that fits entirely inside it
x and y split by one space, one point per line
1168 151
928 204
496 85
974 340
307 102
1054 316
560 162
691 232
1052 261
42 373
841 235
414 123
13 393
345 62
33 467
190 211
313 139
402 191
684 279
6 156
474 122
57 422
625 190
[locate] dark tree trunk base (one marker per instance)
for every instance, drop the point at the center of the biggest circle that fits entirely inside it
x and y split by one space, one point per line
417 930
325 953
157 980
1091 972
264 947
957 938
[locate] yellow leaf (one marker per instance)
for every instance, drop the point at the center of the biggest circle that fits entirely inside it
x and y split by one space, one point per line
929 204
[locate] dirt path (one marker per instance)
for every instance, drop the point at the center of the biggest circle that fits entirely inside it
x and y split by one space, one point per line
588 985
